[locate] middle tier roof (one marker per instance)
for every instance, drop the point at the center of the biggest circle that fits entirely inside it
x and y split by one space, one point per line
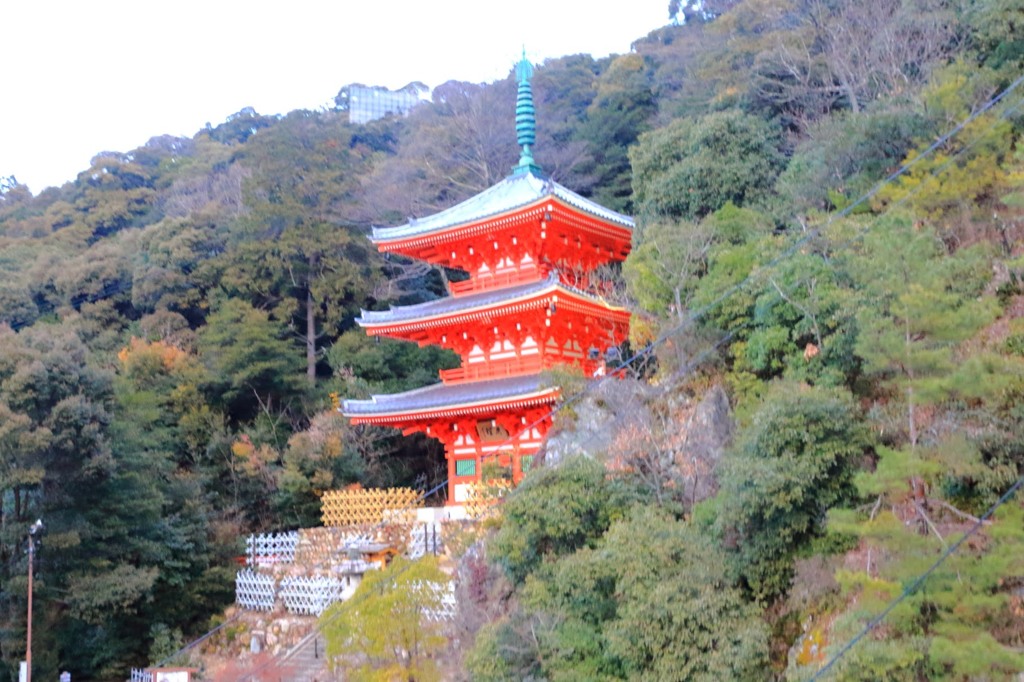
425 322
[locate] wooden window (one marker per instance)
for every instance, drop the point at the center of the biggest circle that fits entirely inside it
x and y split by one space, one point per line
465 467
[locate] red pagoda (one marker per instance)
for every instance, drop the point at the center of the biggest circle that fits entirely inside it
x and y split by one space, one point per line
526 244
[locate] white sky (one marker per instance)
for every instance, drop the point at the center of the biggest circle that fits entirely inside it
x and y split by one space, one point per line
84 76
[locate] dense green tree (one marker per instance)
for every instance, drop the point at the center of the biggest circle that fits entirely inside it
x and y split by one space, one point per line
669 258
620 111
18 308
250 361
679 615
675 54
725 302
844 155
504 652
555 511
59 465
563 89
968 170
993 25
240 126
794 462
115 194
951 628
650 600
168 253
801 326
296 260
923 303
311 279
692 168
318 459
100 273
385 365
724 72
664 268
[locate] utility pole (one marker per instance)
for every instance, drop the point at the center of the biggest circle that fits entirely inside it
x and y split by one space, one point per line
36 527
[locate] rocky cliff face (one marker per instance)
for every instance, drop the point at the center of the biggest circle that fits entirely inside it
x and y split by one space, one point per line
670 440
708 434
592 424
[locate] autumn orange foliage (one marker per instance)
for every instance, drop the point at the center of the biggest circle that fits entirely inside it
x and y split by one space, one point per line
139 353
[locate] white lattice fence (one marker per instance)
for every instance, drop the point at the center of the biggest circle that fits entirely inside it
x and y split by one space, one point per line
141 675
254 591
272 548
309 596
444 594
349 538
425 539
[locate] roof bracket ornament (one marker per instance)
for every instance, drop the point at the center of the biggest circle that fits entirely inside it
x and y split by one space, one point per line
526 120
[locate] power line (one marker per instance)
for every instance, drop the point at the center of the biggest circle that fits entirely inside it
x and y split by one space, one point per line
932 147
913 587
695 315
816 232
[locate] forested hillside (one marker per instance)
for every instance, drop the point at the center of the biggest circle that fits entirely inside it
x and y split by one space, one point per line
176 322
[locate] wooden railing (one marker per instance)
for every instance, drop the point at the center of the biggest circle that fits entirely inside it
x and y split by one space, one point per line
476 371
489 281
501 369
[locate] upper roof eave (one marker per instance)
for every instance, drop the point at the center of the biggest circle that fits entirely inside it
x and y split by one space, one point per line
514 192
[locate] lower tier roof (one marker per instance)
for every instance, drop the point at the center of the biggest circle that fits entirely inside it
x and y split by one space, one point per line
440 400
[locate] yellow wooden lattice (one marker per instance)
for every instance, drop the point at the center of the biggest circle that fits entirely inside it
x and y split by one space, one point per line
363 507
482 498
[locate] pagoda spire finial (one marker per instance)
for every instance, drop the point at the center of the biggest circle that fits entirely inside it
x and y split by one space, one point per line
526 121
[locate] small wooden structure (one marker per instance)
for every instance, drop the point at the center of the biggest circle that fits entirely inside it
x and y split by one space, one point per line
378 554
